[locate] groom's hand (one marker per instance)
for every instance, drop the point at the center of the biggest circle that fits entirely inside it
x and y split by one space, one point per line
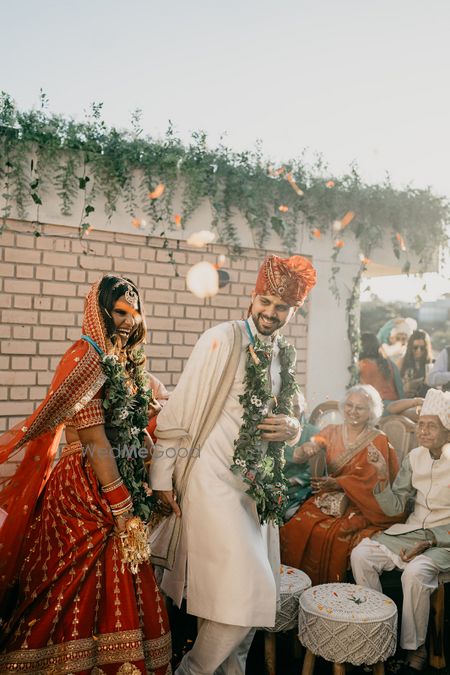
166 501
279 428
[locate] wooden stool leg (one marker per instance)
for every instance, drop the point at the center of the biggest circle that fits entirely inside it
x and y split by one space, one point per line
436 644
338 668
270 652
308 663
378 668
297 647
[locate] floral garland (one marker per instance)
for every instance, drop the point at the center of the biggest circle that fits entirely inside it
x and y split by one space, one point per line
126 404
260 464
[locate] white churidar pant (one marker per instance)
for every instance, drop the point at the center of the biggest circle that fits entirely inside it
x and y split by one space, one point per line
219 649
419 579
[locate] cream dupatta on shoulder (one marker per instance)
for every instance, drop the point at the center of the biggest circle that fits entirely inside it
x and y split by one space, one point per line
188 418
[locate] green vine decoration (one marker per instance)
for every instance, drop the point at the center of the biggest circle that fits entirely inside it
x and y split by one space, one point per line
42 152
353 329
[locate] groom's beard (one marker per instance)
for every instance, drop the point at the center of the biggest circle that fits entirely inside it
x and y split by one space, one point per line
266 325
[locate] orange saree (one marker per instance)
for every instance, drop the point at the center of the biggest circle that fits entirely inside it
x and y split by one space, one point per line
320 544
67 603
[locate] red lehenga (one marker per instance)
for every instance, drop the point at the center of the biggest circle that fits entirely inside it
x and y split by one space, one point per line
67 604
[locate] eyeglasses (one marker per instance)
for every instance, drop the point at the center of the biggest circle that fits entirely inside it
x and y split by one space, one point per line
357 408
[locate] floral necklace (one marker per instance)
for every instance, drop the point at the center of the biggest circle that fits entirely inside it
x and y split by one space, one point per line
258 463
126 402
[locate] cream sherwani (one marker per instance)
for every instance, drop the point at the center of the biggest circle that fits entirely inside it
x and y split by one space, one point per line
232 562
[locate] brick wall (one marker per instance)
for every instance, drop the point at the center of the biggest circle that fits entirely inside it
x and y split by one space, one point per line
43 282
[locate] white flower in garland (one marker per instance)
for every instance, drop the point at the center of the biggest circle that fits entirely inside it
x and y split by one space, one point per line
110 358
260 463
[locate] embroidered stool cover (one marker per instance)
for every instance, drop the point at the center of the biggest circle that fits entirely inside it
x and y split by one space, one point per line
292 584
346 623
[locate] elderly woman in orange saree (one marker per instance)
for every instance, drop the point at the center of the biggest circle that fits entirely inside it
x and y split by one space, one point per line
77 592
320 536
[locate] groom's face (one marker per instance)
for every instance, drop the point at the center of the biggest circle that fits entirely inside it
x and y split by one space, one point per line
270 313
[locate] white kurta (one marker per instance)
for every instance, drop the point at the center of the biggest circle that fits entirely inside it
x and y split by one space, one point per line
232 562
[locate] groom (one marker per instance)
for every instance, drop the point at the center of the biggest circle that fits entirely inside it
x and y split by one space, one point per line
233 409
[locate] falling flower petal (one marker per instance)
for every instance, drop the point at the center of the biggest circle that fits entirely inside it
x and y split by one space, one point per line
136 222
347 219
337 225
214 344
201 238
157 192
316 233
88 230
177 219
283 208
203 280
330 184
401 241
338 243
363 259
293 184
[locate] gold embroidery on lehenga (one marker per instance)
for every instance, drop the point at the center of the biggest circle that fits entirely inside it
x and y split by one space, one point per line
116 590
140 604
89 653
128 669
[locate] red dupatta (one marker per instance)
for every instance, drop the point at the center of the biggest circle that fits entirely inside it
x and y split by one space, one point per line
356 476
32 444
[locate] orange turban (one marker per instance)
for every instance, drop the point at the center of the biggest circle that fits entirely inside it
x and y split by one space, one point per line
289 278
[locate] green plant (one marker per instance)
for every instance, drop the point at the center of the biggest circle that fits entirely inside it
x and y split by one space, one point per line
40 150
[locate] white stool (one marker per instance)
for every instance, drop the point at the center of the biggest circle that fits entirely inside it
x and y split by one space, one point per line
346 623
292 584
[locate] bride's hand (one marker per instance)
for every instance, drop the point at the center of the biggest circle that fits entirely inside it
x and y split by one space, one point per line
154 407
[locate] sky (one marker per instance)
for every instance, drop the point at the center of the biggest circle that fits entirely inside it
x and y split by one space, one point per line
362 81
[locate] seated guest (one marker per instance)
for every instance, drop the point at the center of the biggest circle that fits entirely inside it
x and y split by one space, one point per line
415 364
395 348
408 407
320 536
439 375
379 371
421 546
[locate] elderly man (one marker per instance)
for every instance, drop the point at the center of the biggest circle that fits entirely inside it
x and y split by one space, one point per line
221 438
420 546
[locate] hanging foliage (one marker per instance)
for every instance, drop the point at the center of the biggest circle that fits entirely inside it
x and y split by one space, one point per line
42 152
